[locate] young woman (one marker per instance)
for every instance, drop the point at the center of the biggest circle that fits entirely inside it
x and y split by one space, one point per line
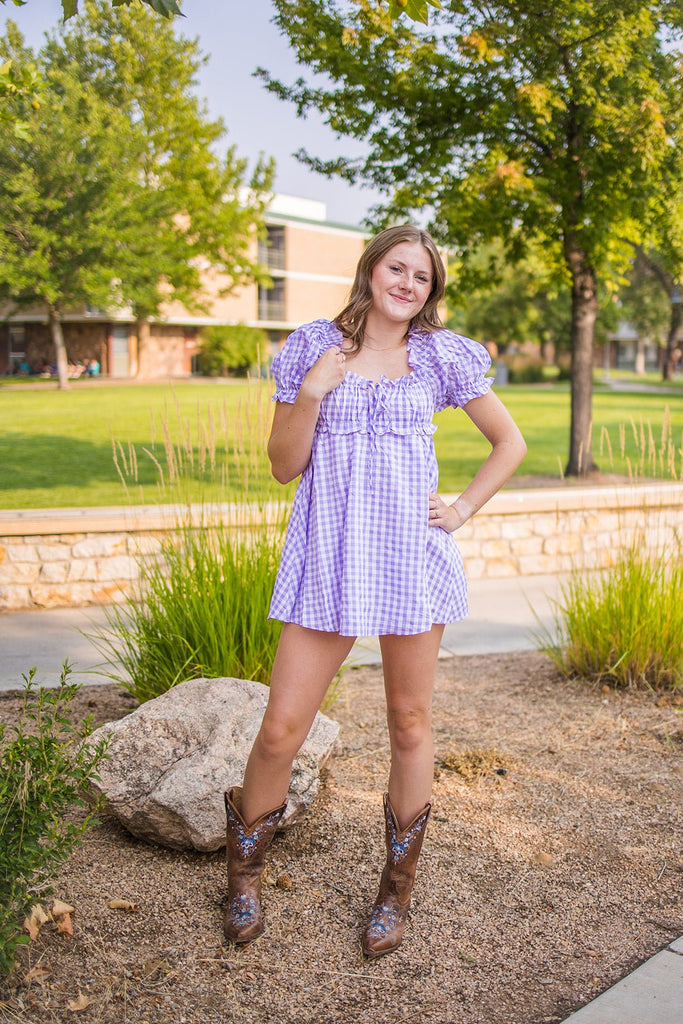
369 548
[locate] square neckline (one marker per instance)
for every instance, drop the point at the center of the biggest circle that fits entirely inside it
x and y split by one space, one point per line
383 379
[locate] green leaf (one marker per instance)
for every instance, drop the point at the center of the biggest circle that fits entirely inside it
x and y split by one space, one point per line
167 8
69 8
416 10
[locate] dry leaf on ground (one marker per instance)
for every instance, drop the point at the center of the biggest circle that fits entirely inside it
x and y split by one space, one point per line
81 1003
35 921
37 973
126 905
65 925
59 908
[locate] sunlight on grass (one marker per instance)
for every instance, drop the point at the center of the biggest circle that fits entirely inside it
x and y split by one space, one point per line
56 447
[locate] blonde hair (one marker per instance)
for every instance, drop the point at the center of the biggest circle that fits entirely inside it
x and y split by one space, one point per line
352 319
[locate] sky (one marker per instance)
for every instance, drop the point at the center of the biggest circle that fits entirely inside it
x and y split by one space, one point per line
238 36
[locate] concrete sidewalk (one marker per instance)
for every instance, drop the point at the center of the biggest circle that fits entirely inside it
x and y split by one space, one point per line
501 619
504 614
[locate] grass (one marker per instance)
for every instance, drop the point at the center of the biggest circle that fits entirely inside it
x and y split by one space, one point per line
56 447
623 627
201 611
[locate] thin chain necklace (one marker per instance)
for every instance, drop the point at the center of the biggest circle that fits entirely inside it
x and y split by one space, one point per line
383 348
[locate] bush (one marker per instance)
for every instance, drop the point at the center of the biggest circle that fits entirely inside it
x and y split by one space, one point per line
44 771
523 369
201 610
623 627
231 349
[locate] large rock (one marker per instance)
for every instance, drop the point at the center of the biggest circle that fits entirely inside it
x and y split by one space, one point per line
170 761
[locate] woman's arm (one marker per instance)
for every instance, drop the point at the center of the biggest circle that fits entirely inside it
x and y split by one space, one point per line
508 448
291 436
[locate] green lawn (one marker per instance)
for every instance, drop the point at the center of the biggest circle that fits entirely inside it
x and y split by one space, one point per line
56 447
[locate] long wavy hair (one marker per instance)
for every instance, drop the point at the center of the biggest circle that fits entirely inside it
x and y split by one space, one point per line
353 317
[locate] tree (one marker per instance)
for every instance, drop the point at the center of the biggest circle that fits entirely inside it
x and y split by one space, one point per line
660 258
539 124
167 8
190 203
495 301
24 82
118 198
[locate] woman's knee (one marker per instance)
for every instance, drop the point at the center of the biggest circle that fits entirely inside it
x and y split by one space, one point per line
410 728
279 738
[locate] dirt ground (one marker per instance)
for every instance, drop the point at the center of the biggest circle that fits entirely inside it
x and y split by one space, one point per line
544 878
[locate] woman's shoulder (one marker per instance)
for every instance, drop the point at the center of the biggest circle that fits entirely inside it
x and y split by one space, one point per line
298 354
443 346
317 330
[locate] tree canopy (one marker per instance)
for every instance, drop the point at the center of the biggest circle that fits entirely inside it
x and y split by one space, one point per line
541 125
118 198
167 8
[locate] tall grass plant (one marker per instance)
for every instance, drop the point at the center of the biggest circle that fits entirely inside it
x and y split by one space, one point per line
624 626
200 609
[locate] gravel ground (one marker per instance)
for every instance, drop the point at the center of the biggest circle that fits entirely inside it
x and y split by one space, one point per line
552 867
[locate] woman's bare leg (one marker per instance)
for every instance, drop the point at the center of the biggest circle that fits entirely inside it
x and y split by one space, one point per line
409 664
305 664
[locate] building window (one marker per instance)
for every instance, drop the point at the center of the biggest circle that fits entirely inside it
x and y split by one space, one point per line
271 301
17 347
272 248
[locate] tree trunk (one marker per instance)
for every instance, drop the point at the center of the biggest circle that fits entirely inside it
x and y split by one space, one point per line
640 356
584 314
60 349
674 328
142 344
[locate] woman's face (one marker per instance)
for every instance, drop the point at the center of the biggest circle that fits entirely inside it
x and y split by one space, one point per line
401 282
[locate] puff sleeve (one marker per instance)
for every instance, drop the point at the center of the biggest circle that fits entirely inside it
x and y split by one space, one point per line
459 366
291 364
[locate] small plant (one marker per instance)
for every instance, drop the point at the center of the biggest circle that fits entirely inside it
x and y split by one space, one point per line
199 610
231 349
44 771
476 763
624 626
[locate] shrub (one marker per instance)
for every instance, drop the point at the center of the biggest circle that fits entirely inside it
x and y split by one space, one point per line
624 626
523 369
44 771
231 349
201 610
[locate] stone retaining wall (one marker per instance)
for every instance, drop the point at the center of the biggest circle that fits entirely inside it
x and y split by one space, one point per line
70 557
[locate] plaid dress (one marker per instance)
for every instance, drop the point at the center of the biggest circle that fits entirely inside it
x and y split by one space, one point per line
359 557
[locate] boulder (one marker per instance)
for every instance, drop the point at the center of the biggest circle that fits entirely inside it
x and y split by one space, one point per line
169 762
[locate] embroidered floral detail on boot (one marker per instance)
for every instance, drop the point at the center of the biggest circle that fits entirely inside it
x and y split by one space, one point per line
247 840
401 847
385 917
244 910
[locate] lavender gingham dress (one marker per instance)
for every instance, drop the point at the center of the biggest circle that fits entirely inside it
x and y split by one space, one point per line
359 557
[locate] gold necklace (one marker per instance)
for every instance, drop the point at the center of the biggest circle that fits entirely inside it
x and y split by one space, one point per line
385 348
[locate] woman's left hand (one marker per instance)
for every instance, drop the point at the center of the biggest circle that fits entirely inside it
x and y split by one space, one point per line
447 517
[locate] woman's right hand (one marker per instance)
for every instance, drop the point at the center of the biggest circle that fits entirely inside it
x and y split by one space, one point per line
325 374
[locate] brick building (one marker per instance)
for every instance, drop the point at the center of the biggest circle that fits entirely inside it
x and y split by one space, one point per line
311 262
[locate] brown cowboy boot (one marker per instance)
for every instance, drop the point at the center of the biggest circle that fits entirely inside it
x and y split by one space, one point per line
245 850
384 930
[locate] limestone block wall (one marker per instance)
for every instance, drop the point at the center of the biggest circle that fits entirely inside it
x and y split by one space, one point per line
71 557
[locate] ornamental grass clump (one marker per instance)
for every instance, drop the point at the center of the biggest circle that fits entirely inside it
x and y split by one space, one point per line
623 627
200 609
45 769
